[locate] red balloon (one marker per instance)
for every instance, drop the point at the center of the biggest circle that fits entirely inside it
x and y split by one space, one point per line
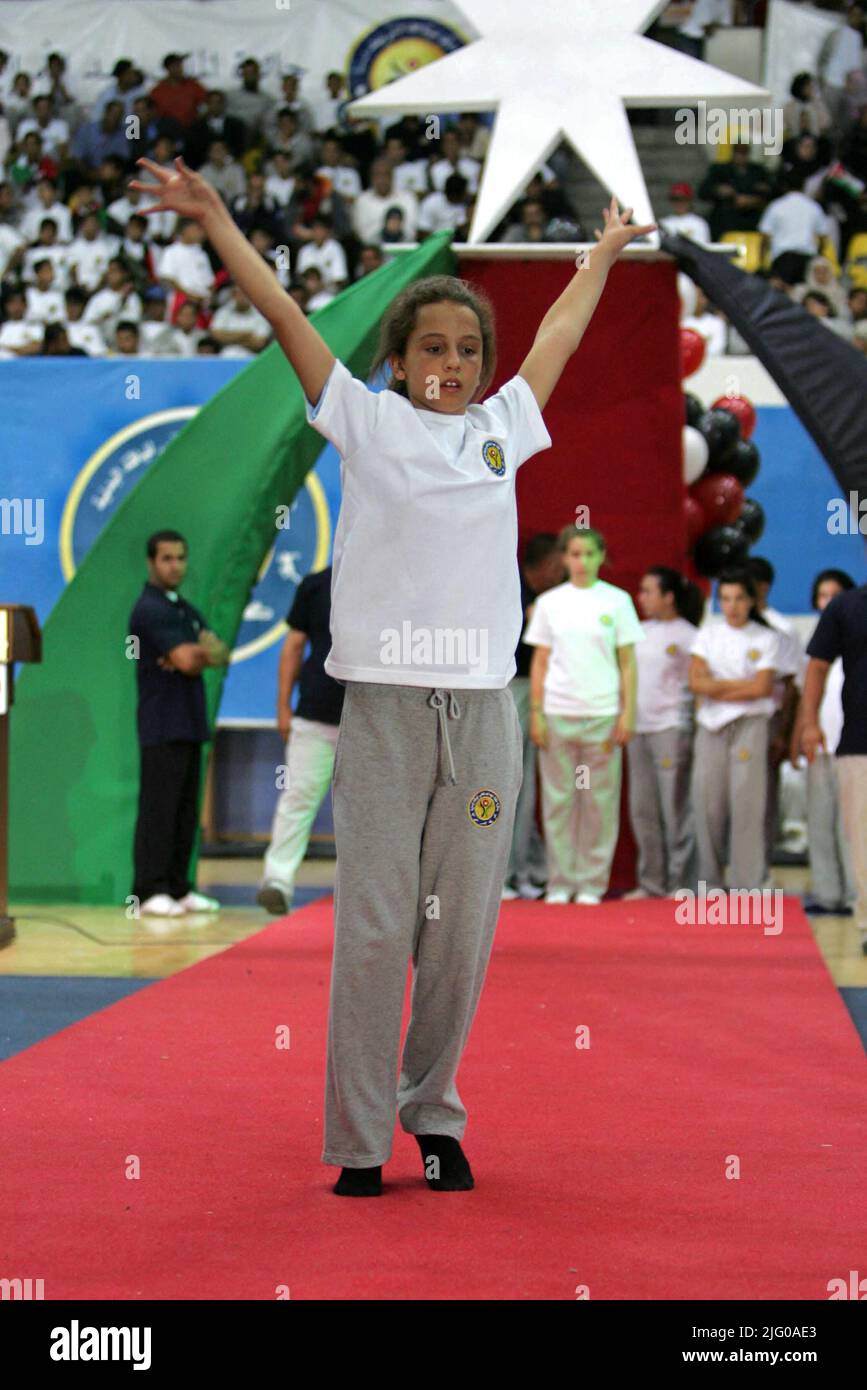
692 350
694 515
742 408
721 498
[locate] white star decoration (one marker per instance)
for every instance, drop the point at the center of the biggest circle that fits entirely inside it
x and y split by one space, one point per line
559 69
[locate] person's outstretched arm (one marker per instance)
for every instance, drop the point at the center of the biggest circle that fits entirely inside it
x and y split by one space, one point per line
565 323
190 195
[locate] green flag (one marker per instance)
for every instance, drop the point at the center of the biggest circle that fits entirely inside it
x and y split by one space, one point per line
74 753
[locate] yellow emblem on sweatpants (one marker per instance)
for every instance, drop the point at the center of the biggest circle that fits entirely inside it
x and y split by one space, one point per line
666 762
484 807
744 755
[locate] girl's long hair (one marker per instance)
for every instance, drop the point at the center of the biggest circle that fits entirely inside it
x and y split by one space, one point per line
400 317
688 597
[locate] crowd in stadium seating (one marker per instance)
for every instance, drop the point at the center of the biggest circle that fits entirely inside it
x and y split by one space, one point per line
323 196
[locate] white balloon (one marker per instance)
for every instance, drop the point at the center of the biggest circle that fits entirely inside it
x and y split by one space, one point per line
695 454
686 294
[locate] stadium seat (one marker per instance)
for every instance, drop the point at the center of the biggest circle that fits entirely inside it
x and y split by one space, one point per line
750 255
856 261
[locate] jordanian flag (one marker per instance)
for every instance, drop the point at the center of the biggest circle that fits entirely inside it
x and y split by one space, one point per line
74 754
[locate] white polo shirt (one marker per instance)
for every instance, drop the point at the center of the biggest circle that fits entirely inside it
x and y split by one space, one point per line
425 588
583 628
329 259
664 698
791 659
735 654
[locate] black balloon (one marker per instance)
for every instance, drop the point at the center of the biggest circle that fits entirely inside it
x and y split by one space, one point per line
751 520
694 409
744 462
719 548
722 430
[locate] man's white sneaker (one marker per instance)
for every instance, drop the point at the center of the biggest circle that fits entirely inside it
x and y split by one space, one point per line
197 902
557 898
508 894
161 905
531 892
588 900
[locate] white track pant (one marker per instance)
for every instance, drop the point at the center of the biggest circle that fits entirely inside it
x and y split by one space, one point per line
309 760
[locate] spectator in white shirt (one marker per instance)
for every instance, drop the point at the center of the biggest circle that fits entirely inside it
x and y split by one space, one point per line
317 295
184 267
324 252
452 161
117 301
18 337
134 245
408 175
46 248
473 135
128 85
90 253
13 248
845 58
711 327
682 221
279 180
18 104
806 112
156 334
237 324
82 335
160 225
54 132
704 18
185 335
44 301
47 205
446 211
795 225
290 96
343 177
326 108
371 206
224 172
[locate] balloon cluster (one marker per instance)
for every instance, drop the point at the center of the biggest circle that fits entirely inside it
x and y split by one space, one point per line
719 462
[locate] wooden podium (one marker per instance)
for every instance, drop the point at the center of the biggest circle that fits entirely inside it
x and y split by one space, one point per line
20 640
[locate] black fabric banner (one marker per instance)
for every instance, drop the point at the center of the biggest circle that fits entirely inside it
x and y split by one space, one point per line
823 378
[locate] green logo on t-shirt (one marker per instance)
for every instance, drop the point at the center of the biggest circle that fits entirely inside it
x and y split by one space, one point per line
607 619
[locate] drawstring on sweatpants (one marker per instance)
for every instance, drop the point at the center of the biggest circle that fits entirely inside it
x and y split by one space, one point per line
437 701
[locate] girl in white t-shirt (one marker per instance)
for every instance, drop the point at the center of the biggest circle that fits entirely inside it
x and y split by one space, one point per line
832 887
732 673
660 754
425 618
582 702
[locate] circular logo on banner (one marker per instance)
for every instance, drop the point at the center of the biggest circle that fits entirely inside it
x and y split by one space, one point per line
109 476
484 807
493 456
397 47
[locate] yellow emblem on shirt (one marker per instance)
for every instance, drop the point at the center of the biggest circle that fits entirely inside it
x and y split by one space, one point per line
493 456
606 618
672 649
753 653
484 807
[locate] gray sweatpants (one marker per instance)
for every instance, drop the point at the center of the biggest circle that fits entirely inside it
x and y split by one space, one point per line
527 861
831 879
420 868
659 809
729 785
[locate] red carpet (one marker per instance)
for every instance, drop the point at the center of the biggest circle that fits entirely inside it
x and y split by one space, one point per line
602 1167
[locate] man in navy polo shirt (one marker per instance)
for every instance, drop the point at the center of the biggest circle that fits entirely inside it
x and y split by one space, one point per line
175 647
842 631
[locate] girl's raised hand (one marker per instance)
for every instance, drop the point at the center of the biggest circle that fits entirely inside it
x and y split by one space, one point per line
183 192
618 233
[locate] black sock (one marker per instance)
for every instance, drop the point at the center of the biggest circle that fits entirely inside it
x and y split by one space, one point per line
445 1165
359 1182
